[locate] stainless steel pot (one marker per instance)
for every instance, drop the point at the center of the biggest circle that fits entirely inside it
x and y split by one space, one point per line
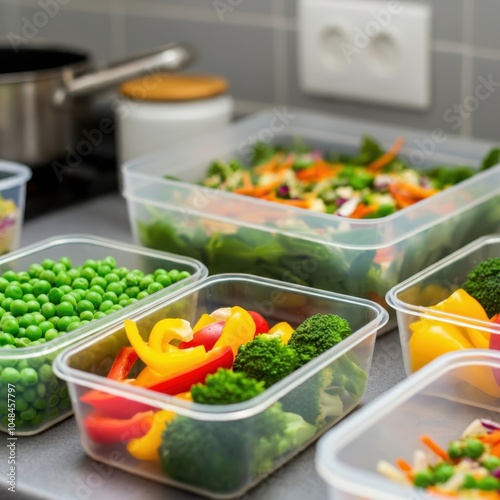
44 94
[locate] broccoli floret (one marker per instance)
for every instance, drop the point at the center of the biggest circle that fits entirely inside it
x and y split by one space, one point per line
317 334
319 398
224 456
263 152
267 360
483 283
220 172
226 387
442 177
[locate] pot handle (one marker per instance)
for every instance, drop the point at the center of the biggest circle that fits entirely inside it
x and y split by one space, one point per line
173 56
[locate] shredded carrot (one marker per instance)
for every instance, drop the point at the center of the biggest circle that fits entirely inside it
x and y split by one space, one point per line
436 491
319 171
495 450
403 465
293 203
492 438
363 210
432 445
387 157
270 165
413 190
247 179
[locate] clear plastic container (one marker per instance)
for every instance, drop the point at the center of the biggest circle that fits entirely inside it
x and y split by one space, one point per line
13 180
437 401
236 428
46 401
411 300
364 258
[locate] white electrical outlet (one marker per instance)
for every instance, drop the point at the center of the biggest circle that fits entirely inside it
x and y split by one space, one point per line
366 50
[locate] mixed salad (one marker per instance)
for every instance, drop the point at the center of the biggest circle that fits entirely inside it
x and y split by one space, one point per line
9 225
372 184
468 469
229 356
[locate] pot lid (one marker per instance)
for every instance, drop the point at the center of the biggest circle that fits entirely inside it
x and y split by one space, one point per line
170 87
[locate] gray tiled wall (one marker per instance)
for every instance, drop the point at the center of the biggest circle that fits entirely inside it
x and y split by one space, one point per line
254 46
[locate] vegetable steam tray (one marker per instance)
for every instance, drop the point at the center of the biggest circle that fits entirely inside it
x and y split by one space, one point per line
230 232
135 418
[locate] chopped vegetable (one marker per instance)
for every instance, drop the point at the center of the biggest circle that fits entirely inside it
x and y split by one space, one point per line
469 467
483 283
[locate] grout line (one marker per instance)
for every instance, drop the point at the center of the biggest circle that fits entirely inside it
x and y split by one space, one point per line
467 67
462 48
280 54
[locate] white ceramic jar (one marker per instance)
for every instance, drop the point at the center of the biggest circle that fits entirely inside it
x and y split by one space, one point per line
162 109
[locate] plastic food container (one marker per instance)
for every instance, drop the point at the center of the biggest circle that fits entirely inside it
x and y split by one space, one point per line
237 426
412 298
364 258
13 180
47 402
437 401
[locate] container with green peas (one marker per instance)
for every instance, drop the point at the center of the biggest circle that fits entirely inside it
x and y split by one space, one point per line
58 292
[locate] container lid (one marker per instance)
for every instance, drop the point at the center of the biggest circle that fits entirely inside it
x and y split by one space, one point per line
168 87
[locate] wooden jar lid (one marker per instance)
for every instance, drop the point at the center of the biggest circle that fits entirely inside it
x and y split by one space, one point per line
173 87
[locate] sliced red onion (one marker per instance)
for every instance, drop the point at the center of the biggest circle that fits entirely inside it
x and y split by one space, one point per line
340 201
317 154
348 207
496 473
425 182
490 424
283 190
381 182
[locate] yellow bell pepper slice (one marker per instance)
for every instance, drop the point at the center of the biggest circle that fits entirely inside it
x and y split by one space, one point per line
431 339
205 320
283 330
239 329
164 363
148 377
167 330
146 447
462 303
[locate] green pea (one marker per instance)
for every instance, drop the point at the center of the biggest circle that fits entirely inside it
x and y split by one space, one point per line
423 479
33 306
10 276
10 375
41 287
110 296
99 281
39 404
99 315
469 482
183 275
86 315
88 273
28 414
55 295
473 448
6 303
65 289
34 332
109 261
21 404
65 309
97 289
115 288
29 377
48 310
54 320
132 279
84 305
18 307
14 292
80 283
45 373
26 288
94 298
35 270
154 287
173 274
443 472
6 338
52 413
121 272
132 291
115 307
53 400
51 334
106 305
63 323
90 263
3 284
29 394
45 326
123 303
159 271
41 390
491 462
145 282
48 275
38 317
66 261
74 325
164 280
22 342
62 279
26 320
42 299
2 312
48 263
102 270
142 295
11 326
73 274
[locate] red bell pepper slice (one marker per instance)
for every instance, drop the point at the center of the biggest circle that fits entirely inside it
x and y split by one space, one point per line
123 363
105 430
206 336
118 407
261 325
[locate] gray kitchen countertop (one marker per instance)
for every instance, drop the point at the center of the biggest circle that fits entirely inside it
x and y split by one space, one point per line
53 465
